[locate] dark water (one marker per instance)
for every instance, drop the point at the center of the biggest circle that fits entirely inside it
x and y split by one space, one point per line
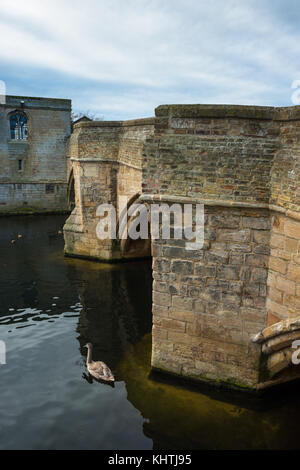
50 306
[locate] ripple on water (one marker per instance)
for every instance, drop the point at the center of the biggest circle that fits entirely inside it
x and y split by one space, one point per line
32 316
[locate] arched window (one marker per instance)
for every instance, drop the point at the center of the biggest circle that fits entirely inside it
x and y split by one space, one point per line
18 126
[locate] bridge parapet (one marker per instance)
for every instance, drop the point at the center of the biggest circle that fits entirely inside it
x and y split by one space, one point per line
234 153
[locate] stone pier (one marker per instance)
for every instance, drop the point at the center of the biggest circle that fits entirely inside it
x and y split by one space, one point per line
106 161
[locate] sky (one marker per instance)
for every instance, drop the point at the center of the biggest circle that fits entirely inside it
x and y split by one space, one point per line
119 59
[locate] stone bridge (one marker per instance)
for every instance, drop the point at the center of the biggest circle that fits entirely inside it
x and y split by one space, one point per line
229 312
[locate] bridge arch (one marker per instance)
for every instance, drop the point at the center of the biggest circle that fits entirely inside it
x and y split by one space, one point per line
71 191
133 248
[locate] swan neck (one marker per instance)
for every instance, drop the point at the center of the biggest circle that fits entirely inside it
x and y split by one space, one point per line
89 356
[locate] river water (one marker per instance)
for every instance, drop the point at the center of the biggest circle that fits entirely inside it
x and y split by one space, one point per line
51 306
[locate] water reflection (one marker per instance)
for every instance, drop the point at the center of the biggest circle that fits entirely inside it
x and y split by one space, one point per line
112 302
116 306
50 307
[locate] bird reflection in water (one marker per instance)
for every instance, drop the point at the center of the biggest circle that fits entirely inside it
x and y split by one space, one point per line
91 379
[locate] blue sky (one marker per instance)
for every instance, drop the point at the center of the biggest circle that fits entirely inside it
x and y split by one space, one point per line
121 58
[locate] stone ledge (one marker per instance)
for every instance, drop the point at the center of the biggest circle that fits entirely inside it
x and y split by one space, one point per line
215 111
228 111
139 122
208 202
32 102
280 328
105 160
81 125
132 122
219 202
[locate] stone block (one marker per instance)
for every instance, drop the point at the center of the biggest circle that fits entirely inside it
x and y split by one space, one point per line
160 310
242 236
178 338
216 257
236 259
210 294
182 303
182 315
277 241
224 221
275 294
161 299
228 272
159 333
259 274
205 271
169 323
294 272
261 237
277 309
285 285
257 223
291 245
230 299
292 228
161 265
182 267
256 260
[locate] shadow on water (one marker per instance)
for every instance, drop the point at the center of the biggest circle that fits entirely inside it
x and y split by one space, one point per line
186 417
91 380
51 306
268 399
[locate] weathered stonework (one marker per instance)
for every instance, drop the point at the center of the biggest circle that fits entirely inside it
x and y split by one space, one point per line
208 303
41 183
107 164
284 269
211 307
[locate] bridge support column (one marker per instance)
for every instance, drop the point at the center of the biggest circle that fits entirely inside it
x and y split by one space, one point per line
107 164
95 184
208 303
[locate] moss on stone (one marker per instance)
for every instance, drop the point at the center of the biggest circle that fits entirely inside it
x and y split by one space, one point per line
201 378
263 372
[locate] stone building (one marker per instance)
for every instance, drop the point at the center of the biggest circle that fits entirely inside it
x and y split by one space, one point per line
228 312
33 145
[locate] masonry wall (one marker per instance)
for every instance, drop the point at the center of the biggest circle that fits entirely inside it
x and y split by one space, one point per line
242 164
201 151
42 183
207 303
107 163
285 173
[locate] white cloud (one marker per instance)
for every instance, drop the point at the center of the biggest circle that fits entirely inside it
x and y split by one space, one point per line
178 50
